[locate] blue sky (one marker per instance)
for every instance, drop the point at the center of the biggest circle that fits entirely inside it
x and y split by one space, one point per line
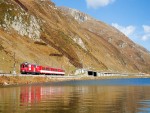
129 16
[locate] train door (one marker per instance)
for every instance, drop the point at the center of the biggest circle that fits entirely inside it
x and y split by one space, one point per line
29 68
37 69
33 69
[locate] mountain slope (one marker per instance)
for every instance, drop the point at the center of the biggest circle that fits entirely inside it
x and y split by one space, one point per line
39 32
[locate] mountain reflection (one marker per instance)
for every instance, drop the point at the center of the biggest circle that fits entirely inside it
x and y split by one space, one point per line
75 99
104 99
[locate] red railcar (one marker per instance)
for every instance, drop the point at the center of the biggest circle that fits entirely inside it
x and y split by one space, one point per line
28 68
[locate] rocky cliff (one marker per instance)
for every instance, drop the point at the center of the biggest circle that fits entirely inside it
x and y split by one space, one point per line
39 32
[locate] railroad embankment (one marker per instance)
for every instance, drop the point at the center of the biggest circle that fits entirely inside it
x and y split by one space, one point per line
23 80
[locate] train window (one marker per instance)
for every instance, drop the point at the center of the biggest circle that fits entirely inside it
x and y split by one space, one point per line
25 65
22 66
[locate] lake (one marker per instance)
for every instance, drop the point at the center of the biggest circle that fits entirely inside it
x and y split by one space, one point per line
90 96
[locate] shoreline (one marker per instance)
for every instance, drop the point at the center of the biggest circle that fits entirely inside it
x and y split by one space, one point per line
27 80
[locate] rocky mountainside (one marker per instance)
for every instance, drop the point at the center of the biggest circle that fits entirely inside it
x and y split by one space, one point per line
39 32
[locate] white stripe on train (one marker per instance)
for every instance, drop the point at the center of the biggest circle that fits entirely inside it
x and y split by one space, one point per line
51 72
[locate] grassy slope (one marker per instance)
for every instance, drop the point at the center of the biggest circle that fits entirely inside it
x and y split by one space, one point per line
56 32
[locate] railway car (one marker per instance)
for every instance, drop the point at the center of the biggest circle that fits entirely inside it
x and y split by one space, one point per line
28 68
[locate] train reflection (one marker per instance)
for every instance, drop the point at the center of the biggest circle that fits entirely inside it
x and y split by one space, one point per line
34 94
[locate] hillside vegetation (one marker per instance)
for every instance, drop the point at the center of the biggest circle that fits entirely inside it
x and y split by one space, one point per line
39 32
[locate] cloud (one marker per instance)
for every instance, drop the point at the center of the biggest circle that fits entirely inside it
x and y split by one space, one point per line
146 28
128 30
98 3
139 34
146 35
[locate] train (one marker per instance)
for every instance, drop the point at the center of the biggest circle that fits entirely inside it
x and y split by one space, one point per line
29 68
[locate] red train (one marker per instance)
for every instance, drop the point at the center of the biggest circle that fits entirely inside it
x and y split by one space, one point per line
28 68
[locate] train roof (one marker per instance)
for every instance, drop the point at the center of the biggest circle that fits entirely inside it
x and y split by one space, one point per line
27 63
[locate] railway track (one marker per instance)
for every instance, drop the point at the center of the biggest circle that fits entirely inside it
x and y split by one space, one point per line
60 76
29 75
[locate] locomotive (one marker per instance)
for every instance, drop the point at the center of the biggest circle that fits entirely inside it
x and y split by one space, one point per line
28 68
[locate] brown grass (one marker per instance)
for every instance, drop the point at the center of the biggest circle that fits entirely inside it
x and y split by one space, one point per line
57 33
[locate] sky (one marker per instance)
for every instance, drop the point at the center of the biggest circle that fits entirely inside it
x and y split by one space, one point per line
132 17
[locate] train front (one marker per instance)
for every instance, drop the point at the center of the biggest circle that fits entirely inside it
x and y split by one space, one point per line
24 68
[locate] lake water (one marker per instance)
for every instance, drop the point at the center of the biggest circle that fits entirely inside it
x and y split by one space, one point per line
92 96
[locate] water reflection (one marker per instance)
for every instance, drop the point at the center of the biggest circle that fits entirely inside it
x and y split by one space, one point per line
35 94
75 99
30 95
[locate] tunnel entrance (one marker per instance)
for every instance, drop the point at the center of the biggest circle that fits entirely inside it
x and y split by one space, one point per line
90 73
95 74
